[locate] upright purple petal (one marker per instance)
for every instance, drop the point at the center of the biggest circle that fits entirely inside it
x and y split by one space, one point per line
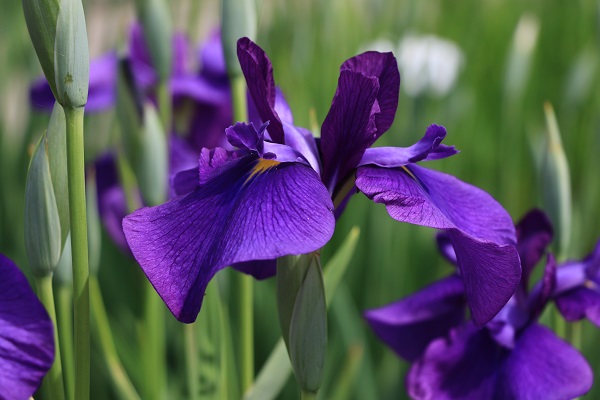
481 231
539 298
26 335
258 70
385 68
252 210
349 128
543 366
534 234
212 59
409 325
462 366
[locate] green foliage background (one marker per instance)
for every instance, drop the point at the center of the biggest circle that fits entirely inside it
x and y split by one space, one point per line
496 129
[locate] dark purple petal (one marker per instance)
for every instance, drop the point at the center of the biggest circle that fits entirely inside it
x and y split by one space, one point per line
101 91
409 325
534 234
259 269
349 128
200 90
463 366
26 335
251 210
427 149
481 231
581 302
384 67
543 366
258 70
547 287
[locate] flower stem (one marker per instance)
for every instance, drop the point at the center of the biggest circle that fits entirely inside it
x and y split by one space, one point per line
164 105
119 376
308 395
245 283
191 360
53 382
65 337
81 295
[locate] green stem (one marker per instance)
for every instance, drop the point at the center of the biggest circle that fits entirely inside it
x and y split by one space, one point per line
81 295
191 360
576 335
164 105
245 283
121 381
65 337
153 344
53 382
308 395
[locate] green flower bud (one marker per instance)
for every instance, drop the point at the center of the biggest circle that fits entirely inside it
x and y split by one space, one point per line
155 17
303 317
63 275
42 223
556 184
41 17
238 19
151 168
71 55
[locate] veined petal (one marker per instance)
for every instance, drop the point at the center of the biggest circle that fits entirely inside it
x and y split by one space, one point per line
427 149
543 366
349 128
481 231
409 325
384 67
26 335
258 71
253 209
463 366
101 91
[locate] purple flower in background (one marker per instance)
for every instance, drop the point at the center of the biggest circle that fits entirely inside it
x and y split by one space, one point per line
26 335
275 195
511 357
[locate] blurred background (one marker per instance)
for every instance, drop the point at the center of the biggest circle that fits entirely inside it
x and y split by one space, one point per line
483 69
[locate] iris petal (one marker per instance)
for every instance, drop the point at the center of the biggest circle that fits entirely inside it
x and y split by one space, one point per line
243 213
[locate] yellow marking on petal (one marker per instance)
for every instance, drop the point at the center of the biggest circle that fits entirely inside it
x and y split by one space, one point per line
590 284
262 166
409 173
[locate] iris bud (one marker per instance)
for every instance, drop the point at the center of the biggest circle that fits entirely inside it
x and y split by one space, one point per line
155 17
556 184
42 223
151 167
238 19
64 271
303 316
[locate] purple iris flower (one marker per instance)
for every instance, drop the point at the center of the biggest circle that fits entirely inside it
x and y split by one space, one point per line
26 335
512 357
275 195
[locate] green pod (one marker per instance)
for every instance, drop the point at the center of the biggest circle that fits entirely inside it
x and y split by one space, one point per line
155 16
151 167
63 275
556 184
71 55
42 223
238 19
41 17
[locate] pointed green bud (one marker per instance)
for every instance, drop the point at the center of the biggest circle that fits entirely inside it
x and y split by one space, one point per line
41 17
520 56
94 232
151 168
42 223
63 275
57 157
303 317
71 55
556 184
155 16
238 19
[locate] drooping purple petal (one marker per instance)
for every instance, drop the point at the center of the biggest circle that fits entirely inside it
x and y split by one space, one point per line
349 128
26 335
481 231
534 234
581 302
385 68
543 366
258 269
200 90
258 71
445 247
252 210
101 91
463 366
427 149
409 325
